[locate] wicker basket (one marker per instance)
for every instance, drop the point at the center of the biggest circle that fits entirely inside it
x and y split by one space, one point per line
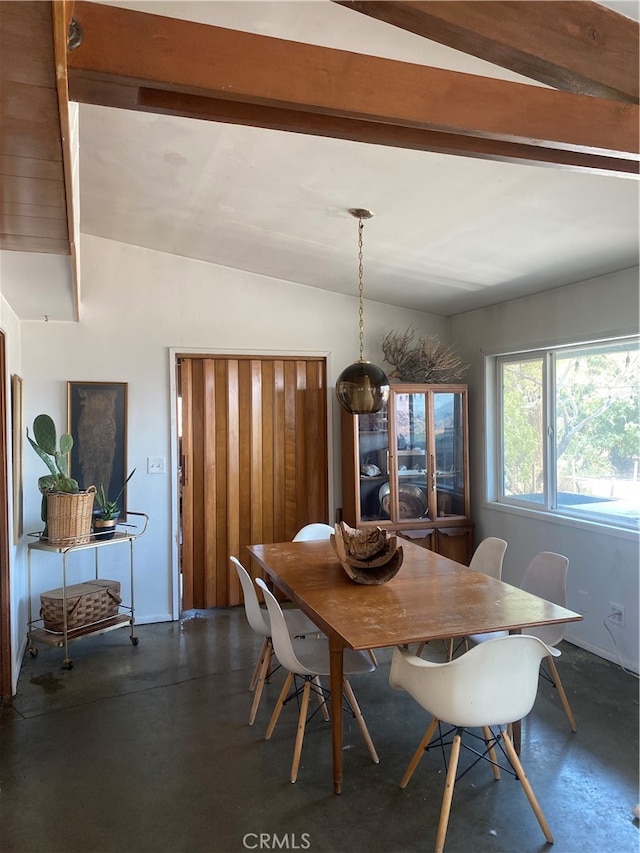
87 603
69 517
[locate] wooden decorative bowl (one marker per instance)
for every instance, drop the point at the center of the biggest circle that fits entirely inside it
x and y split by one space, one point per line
368 556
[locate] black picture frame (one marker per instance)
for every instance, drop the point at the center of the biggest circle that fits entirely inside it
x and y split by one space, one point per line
97 421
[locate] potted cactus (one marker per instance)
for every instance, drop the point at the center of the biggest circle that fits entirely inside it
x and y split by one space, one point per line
64 506
106 517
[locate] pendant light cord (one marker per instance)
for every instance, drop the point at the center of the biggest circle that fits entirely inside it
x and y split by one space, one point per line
361 286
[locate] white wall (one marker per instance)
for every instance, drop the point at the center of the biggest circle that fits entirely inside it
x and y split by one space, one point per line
604 565
136 306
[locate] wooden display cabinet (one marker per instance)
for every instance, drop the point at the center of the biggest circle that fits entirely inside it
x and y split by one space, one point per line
406 468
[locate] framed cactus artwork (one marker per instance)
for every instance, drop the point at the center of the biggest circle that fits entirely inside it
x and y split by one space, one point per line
97 420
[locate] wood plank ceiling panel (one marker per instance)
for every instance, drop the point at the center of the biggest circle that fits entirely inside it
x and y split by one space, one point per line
33 209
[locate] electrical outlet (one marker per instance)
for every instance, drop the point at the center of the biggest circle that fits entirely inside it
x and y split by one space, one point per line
583 601
616 613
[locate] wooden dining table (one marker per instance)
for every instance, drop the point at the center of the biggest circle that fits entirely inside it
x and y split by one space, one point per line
430 598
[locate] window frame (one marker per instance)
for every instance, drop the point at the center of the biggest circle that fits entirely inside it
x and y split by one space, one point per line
548 508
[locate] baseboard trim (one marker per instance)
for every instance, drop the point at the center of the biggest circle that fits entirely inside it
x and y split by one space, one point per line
623 663
150 620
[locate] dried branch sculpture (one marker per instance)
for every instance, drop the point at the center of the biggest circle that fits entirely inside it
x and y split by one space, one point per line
429 361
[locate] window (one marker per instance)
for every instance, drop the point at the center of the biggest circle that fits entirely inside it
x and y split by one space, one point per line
568 431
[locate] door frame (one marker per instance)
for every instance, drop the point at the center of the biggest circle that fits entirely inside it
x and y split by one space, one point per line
333 427
6 686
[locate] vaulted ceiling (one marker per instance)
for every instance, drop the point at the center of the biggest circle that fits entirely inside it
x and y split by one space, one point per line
496 142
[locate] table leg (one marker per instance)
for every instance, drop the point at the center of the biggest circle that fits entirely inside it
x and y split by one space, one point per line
517 736
335 684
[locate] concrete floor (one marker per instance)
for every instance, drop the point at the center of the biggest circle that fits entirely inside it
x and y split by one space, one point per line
147 748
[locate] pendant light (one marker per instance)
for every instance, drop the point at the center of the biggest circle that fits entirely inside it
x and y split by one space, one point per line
362 388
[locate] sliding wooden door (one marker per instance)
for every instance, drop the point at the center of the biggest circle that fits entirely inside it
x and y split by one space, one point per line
254 463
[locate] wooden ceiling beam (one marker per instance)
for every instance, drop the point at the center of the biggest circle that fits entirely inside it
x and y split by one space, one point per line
62 13
151 61
580 47
377 133
255 115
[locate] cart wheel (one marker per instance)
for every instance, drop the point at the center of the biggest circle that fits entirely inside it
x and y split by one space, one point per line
134 641
33 652
67 663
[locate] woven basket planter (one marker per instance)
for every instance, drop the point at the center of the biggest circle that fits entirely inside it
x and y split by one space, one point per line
87 603
69 517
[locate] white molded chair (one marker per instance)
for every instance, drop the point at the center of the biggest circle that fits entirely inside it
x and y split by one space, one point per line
489 556
546 577
316 530
488 559
309 659
297 625
491 685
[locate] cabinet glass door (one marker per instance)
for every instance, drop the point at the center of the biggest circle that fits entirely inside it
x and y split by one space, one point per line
450 460
411 453
373 441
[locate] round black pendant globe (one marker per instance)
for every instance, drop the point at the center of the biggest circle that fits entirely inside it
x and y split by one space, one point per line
362 388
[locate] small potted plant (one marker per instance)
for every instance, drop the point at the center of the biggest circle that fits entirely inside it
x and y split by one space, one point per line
108 512
66 511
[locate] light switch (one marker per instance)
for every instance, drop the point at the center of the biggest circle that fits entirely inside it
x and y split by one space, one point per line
156 465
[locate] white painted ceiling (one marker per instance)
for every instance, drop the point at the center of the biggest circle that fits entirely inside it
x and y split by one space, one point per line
450 234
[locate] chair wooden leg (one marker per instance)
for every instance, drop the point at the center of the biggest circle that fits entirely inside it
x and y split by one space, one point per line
302 722
279 705
424 743
420 649
448 792
488 737
360 720
517 766
374 659
256 670
563 696
258 666
262 677
322 701
302 717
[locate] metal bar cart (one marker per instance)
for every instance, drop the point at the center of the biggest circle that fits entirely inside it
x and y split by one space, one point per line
38 633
